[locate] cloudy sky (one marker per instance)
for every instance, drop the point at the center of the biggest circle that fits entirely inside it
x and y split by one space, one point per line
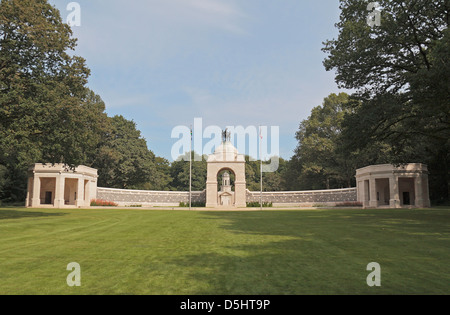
163 63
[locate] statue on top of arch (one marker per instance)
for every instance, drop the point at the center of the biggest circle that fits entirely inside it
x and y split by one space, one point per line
226 135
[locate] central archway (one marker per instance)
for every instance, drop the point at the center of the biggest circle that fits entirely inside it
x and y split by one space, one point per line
226 157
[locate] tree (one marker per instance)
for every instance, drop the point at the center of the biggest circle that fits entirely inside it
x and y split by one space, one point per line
161 178
123 159
48 115
44 110
323 163
272 181
180 172
400 73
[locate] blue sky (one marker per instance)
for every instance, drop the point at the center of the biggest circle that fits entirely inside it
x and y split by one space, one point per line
163 63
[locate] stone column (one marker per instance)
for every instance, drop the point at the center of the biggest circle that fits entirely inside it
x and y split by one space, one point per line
394 201
365 193
418 192
80 193
29 185
359 189
87 194
240 194
373 203
211 194
426 192
240 186
36 198
59 191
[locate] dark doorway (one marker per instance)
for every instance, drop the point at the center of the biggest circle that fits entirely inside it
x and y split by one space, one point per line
48 198
406 198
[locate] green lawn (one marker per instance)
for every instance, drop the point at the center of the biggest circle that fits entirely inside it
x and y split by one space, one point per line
183 252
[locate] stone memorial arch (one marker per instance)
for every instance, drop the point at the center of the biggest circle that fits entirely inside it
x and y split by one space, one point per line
226 158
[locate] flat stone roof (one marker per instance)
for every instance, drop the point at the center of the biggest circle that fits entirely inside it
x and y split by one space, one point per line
389 168
63 168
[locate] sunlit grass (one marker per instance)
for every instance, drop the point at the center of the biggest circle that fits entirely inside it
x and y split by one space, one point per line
257 252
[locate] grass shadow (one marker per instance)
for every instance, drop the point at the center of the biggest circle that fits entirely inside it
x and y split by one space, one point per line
327 252
16 214
341 222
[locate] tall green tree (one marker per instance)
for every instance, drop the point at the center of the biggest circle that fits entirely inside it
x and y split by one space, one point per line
180 172
399 71
323 163
44 100
123 159
272 181
162 179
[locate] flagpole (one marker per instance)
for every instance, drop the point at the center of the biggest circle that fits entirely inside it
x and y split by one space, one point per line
260 156
190 173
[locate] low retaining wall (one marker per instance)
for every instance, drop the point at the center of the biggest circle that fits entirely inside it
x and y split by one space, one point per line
330 197
126 197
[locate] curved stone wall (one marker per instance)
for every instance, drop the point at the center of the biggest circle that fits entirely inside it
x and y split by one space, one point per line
126 197
330 197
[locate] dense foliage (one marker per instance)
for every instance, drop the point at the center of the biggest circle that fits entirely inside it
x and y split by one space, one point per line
400 72
47 112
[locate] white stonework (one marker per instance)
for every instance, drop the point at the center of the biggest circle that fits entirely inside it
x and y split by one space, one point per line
329 197
226 157
148 198
377 186
393 187
59 186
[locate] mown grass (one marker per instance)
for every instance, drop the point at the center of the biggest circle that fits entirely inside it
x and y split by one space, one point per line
209 253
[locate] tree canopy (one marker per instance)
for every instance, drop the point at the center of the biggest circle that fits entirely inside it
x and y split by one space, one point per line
43 97
47 112
399 71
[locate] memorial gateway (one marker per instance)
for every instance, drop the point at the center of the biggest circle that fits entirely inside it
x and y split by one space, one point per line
378 186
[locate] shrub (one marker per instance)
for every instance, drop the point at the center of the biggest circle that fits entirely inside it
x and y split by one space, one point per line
102 203
349 204
256 204
193 204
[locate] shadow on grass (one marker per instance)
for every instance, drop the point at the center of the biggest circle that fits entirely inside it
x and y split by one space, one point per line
334 223
16 214
326 252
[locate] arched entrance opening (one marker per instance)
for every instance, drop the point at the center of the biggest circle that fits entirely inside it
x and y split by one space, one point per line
226 179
